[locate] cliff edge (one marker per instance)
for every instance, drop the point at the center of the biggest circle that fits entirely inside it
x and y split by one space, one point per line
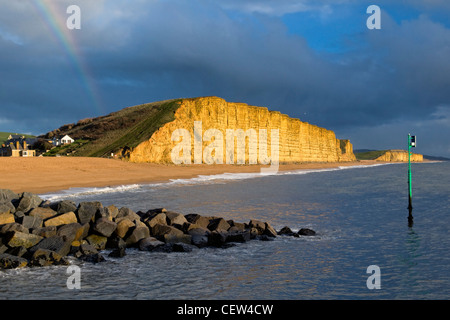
399 156
213 118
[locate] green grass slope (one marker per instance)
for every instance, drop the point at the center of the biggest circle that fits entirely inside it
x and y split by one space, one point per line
4 136
126 128
368 155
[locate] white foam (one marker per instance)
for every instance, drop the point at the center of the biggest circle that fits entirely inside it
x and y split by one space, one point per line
201 179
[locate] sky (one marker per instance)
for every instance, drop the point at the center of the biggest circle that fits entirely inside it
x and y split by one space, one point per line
315 60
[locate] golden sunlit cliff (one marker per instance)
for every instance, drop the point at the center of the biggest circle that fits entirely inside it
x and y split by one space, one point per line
297 141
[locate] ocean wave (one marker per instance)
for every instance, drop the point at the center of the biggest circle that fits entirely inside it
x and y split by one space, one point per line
200 179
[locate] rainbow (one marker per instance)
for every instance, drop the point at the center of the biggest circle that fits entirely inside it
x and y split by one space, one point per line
55 19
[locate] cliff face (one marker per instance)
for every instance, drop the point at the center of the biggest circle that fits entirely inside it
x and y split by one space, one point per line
399 156
297 141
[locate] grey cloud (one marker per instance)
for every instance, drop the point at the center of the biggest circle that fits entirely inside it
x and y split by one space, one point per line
158 50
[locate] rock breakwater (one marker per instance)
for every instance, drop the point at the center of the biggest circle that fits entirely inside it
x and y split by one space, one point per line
34 232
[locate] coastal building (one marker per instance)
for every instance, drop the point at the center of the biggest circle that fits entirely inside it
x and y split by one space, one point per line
62 141
17 148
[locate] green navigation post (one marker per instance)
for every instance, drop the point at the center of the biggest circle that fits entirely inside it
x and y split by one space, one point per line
411 144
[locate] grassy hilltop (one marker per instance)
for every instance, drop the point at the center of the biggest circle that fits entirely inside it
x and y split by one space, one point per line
116 132
4 136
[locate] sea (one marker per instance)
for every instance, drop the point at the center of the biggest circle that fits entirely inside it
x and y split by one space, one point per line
365 247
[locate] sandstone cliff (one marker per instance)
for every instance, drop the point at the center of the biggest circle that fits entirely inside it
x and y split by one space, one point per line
399 156
297 141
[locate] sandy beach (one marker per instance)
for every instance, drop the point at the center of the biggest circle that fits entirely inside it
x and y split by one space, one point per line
48 174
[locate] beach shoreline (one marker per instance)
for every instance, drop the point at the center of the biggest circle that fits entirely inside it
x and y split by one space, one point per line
52 174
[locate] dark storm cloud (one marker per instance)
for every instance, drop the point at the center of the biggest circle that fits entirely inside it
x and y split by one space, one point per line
142 51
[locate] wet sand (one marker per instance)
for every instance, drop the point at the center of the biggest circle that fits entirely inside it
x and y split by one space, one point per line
51 174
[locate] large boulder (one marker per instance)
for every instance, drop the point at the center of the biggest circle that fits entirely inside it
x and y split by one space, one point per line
7 195
6 218
45 232
197 219
62 219
236 226
6 208
258 226
17 251
238 236
112 211
86 211
306 232
65 206
104 227
170 234
138 233
28 201
175 218
45 257
124 227
12 227
159 230
157 218
286 231
32 222
56 243
219 224
115 242
217 239
71 232
98 242
21 239
149 244
8 261
199 236
127 213
43 213
270 231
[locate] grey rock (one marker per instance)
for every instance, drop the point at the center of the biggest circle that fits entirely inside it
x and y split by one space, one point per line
306 232
93 258
219 224
45 232
127 213
104 227
197 219
238 236
117 253
55 243
7 207
12 227
86 211
157 218
65 206
175 218
28 201
270 231
149 244
115 242
137 234
7 195
8 261
217 239
285 231
70 232
32 222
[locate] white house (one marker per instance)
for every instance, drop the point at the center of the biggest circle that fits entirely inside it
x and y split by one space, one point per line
61 141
